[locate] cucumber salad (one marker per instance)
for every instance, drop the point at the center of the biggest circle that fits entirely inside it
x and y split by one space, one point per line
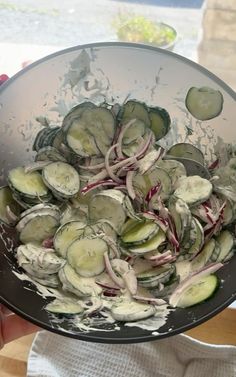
116 222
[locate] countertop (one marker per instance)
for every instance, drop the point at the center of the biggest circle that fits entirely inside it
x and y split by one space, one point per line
219 330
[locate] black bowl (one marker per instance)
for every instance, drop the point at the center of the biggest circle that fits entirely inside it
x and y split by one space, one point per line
106 71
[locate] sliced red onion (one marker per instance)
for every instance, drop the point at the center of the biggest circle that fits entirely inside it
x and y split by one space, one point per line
145 146
92 186
108 167
149 160
92 167
192 279
214 164
131 281
48 243
107 286
11 216
129 184
153 191
120 138
160 256
112 245
162 223
117 280
168 259
150 300
124 269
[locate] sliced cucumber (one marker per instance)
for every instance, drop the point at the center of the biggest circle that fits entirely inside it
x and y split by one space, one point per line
51 281
49 154
149 245
66 234
74 283
188 151
199 240
28 184
144 182
226 243
194 190
37 227
7 201
134 132
204 103
140 233
45 137
181 215
204 257
199 292
160 121
127 311
174 168
134 110
153 277
73 214
86 256
53 209
75 113
216 252
108 205
62 179
128 225
65 306
148 161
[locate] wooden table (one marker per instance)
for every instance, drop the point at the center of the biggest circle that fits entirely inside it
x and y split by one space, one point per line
219 330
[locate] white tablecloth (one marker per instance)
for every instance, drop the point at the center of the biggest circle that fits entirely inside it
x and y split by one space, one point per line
179 356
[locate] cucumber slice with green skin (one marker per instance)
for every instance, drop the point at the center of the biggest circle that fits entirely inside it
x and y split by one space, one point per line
7 200
187 151
64 306
149 245
49 154
174 168
140 233
153 277
134 110
199 240
38 227
204 257
127 311
66 234
62 179
181 215
128 225
204 103
216 252
133 148
193 190
32 214
148 161
42 207
86 256
199 291
45 137
28 184
78 139
108 205
160 121
134 132
75 113
226 243
192 167
74 283
154 176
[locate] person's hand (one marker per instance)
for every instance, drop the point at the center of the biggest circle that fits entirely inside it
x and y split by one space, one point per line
12 326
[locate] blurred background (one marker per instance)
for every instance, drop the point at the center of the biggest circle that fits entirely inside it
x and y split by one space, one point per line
204 31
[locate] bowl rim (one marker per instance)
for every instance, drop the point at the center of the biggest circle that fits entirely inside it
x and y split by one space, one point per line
90 336
195 65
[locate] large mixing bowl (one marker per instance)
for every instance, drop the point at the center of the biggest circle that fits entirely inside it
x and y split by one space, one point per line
110 72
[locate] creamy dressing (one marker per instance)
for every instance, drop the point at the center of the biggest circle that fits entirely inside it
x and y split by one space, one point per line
153 323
